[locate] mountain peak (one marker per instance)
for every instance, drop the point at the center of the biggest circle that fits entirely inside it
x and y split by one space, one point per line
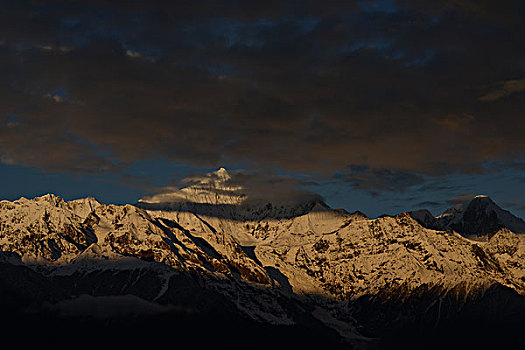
209 189
359 214
482 199
222 173
478 216
222 190
47 196
425 218
482 202
50 198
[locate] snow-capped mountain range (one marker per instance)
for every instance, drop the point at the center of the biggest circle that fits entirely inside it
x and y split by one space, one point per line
279 264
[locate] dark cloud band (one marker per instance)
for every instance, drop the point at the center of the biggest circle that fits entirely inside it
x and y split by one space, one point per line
302 86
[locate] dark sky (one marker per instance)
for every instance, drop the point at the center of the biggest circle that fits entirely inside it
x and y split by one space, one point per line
382 106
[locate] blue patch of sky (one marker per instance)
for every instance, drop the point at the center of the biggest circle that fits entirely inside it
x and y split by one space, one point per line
13 119
434 20
96 25
387 49
308 25
234 33
162 172
61 92
382 45
213 68
109 188
506 186
419 60
69 23
385 6
99 151
83 30
222 69
26 182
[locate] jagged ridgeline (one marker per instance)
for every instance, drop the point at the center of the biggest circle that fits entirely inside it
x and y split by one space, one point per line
211 265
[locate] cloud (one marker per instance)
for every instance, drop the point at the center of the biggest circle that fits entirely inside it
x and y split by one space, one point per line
461 198
56 98
271 187
133 54
513 203
426 204
299 86
54 49
136 54
504 89
236 187
374 180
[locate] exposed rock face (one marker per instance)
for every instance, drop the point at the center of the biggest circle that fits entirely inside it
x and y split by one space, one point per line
426 219
273 263
483 216
479 217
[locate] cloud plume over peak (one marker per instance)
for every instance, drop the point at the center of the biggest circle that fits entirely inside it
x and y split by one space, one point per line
236 187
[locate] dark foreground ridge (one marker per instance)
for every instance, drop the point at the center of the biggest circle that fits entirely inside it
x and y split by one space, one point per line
102 309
